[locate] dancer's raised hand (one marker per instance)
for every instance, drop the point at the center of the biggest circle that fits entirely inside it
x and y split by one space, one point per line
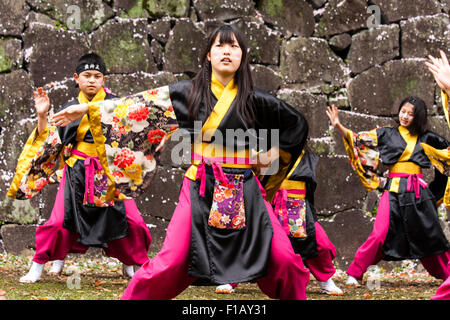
41 105
440 69
41 102
333 115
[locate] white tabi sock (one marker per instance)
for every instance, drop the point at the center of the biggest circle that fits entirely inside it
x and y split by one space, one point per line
351 281
329 287
57 267
127 271
34 274
225 288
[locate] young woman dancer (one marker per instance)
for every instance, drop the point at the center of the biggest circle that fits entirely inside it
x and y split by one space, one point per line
222 230
441 72
407 224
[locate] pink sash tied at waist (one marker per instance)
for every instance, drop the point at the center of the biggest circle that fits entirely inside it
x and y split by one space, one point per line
201 174
215 163
90 165
227 160
414 181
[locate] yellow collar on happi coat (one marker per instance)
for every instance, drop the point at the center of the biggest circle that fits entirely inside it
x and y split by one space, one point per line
84 124
225 95
100 96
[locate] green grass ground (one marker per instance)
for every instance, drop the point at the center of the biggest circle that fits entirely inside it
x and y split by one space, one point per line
101 279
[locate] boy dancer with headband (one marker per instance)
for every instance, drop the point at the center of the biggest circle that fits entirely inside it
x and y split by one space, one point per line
80 217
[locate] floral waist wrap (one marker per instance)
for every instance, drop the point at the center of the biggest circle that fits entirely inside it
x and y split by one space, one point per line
290 205
227 208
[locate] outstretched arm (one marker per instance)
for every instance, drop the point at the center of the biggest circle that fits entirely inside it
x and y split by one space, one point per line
69 114
440 69
332 113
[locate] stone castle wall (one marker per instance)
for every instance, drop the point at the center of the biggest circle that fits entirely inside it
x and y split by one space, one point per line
364 56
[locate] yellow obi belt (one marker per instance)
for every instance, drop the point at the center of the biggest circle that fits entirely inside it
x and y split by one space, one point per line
210 154
83 147
408 170
405 167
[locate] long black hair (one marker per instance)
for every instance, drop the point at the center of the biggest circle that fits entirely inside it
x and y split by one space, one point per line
201 83
419 123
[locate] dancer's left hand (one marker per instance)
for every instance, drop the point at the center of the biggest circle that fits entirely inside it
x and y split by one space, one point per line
69 114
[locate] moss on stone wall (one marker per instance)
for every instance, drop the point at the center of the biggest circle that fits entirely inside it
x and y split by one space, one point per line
5 61
138 10
160 8
275 8
406 87
125 52
18 211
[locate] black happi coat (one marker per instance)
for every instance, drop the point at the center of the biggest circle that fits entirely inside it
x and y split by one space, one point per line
305 171
414 230
219 256
95 225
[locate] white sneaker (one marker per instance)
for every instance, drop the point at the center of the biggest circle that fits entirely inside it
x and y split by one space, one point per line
56 268
352 282
225 288
34 274
329 287
127 271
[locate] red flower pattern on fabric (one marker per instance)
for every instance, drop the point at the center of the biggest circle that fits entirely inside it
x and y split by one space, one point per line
155 136
124 158
139 114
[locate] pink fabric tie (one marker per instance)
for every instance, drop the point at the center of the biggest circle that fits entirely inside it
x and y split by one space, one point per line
280 201
261 188
201 174
414 181
227 160
90 165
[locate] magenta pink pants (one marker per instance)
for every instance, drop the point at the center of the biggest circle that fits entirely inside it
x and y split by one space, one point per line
322 266
443 292
54 242
370 253
166 275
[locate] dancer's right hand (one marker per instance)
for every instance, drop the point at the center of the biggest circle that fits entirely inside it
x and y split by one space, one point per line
41 102
41 105
332 113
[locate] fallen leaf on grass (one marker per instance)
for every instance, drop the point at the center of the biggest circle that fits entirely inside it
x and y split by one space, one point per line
2 292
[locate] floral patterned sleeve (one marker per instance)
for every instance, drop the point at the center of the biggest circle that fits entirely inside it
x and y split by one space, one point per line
362 150
37 164
129 133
